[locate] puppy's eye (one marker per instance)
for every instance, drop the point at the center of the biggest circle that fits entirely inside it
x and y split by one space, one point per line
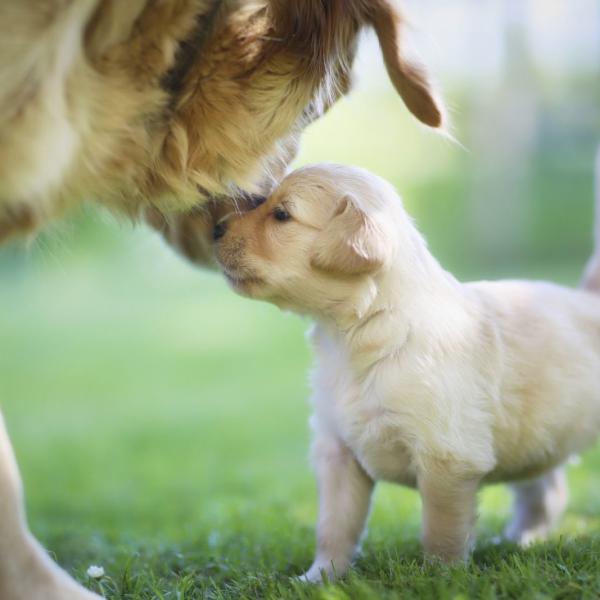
281 214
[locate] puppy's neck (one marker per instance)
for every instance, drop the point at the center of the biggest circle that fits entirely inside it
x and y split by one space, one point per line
413 294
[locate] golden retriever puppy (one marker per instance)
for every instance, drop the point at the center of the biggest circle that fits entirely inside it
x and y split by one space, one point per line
176 111
420 380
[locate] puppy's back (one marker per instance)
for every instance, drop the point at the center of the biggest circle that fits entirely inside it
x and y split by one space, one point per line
549 349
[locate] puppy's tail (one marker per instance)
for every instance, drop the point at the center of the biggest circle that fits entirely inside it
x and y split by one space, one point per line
591 277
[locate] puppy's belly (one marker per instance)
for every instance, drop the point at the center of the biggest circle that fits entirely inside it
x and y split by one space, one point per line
392 463
503 475
379 448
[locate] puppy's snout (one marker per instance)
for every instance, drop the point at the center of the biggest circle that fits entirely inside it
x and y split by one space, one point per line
219 230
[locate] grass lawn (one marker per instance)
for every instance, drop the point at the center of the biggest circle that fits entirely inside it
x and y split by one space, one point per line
160 423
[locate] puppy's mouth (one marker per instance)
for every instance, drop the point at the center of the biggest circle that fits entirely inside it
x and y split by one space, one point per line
239 277
242 282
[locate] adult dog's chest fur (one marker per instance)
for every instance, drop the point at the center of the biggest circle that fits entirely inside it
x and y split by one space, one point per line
355 409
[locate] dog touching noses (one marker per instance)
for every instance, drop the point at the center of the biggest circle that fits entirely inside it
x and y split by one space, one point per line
243 204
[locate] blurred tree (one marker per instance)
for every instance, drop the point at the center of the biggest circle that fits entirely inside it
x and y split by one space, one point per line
503 130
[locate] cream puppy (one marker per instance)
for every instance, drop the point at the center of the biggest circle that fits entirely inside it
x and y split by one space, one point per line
420 379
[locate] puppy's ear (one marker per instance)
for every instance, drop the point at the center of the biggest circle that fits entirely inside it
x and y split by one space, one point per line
351 244
410 80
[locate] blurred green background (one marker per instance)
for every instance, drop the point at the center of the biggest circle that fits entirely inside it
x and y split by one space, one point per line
149 405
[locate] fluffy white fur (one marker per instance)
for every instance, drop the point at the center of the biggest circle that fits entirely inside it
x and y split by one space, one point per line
420 379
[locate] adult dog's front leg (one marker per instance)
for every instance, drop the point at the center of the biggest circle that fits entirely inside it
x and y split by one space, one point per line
449 514
26 571
344 499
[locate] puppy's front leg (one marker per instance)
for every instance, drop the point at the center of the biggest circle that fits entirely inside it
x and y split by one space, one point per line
449 513
344 499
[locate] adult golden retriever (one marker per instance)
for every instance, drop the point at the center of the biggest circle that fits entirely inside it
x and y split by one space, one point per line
154 107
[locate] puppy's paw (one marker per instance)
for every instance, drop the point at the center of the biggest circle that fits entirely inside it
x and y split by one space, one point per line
527 536
324 572
538 506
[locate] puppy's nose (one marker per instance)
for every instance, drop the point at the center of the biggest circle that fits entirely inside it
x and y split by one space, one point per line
219 230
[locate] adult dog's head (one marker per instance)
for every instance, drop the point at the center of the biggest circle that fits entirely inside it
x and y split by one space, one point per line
270 68
167 104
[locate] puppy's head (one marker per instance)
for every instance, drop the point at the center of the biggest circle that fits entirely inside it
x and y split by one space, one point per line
324 236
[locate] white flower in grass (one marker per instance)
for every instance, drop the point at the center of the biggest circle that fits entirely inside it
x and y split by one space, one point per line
95 572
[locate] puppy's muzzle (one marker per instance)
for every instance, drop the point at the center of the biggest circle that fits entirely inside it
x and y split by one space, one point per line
248 202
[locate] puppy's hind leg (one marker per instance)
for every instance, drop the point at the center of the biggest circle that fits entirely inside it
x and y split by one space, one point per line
537 507
26 571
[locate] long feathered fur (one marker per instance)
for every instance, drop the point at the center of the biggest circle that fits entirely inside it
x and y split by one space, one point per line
166 104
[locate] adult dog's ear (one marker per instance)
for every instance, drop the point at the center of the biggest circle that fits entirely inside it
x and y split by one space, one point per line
352 243
410 79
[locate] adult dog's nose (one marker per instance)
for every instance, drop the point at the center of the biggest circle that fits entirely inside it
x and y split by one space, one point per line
219 230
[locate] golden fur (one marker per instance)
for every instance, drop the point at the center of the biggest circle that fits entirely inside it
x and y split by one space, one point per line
164 104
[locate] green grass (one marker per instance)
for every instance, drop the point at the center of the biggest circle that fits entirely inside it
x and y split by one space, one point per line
161 422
